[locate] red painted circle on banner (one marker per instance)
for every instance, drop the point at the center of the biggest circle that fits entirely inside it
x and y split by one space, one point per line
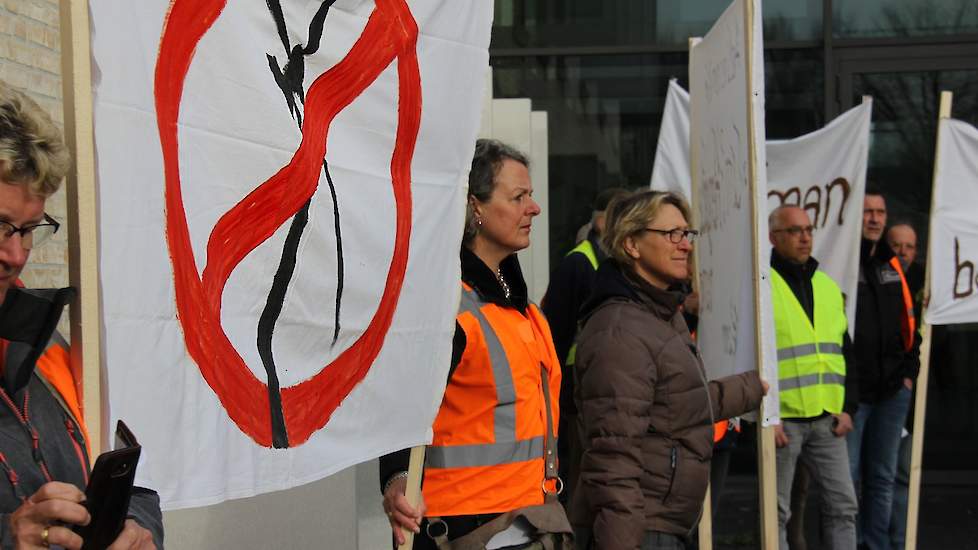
391 33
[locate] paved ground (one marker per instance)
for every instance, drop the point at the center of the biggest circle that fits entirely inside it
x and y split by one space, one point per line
948 516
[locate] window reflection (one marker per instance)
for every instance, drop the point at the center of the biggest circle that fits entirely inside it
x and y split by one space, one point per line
903 18
658 23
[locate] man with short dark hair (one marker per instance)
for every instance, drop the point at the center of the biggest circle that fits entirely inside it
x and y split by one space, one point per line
817 396
886 349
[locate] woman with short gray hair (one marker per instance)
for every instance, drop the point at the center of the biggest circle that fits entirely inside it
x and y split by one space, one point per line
490 477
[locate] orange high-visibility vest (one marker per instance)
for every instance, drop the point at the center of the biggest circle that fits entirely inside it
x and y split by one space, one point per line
491 451
908 324
55 366
720 429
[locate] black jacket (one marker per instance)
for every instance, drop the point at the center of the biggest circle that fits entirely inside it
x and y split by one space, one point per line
27 322
799 280
882 360
570 286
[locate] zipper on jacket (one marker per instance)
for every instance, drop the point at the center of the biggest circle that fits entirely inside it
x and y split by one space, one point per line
706 384
23 416
74 436
35 440
12 478
674 468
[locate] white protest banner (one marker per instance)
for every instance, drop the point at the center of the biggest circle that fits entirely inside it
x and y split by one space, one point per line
670 171
727 139
282 190
823 171
954 227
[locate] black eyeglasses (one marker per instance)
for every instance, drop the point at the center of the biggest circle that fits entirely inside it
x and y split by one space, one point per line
797 230
677 235
30 235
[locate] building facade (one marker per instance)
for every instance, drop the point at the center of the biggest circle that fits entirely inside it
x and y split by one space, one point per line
601 69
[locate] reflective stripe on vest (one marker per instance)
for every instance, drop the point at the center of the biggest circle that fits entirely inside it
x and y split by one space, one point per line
811 368
809 349
490 436
586 248
908 323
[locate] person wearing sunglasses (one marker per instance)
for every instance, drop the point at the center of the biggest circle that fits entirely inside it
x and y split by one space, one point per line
645 405
44 461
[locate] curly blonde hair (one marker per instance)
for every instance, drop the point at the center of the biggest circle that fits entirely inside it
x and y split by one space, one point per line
32 150
631 213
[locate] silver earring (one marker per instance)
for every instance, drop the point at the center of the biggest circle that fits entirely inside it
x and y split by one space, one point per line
478 222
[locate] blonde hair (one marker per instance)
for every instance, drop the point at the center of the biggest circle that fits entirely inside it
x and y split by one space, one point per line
32 150
630 214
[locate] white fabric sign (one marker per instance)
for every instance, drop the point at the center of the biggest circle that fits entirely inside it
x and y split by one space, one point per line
282 190
727 129
954 227
670 171
824 172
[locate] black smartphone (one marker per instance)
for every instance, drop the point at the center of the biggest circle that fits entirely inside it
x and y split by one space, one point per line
107 494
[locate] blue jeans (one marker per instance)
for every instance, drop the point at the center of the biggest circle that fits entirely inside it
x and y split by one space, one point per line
901 489
874 445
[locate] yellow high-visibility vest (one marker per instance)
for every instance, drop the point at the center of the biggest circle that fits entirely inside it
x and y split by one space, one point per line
587 249
811 367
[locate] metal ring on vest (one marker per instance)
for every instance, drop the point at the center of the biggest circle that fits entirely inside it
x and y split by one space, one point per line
560 486
436 521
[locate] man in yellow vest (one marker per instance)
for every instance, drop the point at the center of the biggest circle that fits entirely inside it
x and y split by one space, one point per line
570 286
817 398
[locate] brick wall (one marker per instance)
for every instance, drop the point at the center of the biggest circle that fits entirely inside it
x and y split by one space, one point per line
30 60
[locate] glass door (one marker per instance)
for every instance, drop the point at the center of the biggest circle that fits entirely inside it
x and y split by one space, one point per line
905 83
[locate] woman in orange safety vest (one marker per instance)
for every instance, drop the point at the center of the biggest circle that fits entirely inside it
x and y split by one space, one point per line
490 475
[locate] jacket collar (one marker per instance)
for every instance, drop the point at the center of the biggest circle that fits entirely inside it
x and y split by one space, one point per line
477 274
616 281
28 318
789 269
882 254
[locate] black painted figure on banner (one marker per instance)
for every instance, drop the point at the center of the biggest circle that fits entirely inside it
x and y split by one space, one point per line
289 78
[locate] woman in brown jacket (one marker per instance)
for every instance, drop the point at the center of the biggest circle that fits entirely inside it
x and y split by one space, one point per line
646 407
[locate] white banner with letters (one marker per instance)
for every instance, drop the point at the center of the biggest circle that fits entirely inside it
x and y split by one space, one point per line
282 191
727 127
824 172
954 227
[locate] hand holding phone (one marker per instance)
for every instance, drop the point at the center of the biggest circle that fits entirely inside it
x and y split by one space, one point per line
108 491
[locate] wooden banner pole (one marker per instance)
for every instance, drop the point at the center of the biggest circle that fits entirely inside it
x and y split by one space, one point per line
705 527
766 460
85 317
920 403
413 489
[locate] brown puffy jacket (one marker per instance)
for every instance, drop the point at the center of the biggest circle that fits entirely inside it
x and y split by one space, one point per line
647 414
